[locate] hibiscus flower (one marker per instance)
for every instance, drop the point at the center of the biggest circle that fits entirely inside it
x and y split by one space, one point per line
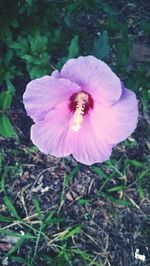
83 110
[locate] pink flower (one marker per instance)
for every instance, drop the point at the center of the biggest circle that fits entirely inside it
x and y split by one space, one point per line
83 110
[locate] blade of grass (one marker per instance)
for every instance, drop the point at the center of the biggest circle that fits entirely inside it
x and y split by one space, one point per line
12 233
98 171
2 181
37 242
114 200
17 246
5 219
67 180
85 256
67 233
114 167
17 259
37 207
115 189
11 207
104 184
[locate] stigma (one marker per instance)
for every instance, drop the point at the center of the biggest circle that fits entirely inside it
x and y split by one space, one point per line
80 103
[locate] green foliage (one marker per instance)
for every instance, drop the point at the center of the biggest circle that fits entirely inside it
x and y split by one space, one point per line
33 51
10 207
123 50
17 259
6 128
5 100
114 200
99 171
101 46
145 26
114 26
73 51
73 48
67 180
37 207
108 9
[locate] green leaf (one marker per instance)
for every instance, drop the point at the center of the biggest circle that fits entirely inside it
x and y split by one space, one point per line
143 174
2 181
85 256
17 259
107 8
73 232
54 220
5 100
68 233
13 233
73 51
136 163
145 26
145 101
98 171
140 181
70 177
5 219
37 206
38 43
50 219
61 62
36 71
74 47
114 200
21 47
101 46
6 128
113 25
17 246
10 207
83 202
116 188
1 159
47 259
10 86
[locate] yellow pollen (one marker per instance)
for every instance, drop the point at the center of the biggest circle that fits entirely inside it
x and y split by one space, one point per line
77 120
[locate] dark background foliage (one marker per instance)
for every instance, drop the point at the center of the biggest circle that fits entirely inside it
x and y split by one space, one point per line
58 212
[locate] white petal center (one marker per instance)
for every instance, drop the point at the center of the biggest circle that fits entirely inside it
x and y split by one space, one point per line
78 116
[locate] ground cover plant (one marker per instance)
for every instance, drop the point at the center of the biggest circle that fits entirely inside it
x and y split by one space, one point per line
57 211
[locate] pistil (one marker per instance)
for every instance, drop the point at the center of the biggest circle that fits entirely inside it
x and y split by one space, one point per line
80 104
78 116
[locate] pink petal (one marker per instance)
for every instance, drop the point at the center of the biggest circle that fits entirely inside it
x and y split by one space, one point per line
117 122
43 94
94 76
55 74
50 134
54 136
86 146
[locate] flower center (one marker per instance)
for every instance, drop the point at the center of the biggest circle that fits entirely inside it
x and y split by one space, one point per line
80 103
